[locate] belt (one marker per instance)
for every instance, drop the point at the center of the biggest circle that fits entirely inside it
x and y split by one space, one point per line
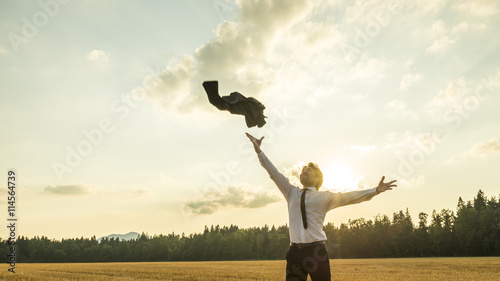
305 245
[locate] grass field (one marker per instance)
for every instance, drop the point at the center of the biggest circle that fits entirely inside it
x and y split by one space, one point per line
481 268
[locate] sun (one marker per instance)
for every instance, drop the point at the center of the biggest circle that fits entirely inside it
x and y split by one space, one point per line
339 177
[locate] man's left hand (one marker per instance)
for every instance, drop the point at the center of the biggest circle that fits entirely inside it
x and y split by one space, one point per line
383 186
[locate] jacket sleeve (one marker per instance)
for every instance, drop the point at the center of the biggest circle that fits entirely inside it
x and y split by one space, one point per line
339 199
281 181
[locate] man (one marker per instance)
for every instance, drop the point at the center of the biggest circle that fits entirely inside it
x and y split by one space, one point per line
307 209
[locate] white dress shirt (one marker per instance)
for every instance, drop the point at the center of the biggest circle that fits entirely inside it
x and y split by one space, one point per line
317 204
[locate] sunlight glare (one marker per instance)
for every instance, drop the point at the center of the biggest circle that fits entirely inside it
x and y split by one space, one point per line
339 177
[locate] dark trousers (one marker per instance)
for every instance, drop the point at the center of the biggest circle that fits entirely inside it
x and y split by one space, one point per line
311 260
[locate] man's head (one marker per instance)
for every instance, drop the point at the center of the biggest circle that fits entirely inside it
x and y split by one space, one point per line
311 175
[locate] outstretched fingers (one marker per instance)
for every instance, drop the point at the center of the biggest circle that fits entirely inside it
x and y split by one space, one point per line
254 139
390 184
383 186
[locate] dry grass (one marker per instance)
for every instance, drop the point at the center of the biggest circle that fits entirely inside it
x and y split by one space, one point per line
483 268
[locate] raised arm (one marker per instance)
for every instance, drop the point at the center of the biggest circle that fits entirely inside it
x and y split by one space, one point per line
281 181
341 199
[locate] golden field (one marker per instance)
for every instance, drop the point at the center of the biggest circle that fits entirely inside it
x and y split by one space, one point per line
477 268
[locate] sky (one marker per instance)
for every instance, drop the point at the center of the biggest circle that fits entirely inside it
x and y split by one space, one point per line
105 121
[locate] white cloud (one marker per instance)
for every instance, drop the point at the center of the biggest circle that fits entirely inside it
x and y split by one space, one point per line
3 51
423 7
477 150
439 45
237 57
489 147
318 94
409 141
461 27
69 189
176 78
363 149
213 200
408 80
437 29
453 94
409 62
161 179
420 180
396 104
363 12
443 35
478 8
462 93
452 160
319 35
292 173
367 69
398 109
98 56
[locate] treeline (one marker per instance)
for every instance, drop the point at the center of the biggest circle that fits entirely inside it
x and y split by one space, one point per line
473 230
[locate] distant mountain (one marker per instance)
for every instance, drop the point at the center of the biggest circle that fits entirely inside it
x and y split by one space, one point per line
128 236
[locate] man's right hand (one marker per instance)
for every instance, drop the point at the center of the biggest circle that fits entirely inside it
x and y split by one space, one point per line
256 142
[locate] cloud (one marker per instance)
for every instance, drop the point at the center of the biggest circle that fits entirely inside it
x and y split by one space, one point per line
444 36
98 56
3 51
363 149
69 189
398 109
368 69
421 8
292 173
453 94
439 45
477 150
406 142
408 80
364 12
161 179
237 56
491 146
478 8
461 27
461 93
396 105
420 180
437 29
213 200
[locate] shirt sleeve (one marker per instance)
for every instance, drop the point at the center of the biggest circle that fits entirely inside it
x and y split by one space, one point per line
281 181
339 199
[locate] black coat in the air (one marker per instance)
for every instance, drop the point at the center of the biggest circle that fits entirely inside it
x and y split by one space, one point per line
236 103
